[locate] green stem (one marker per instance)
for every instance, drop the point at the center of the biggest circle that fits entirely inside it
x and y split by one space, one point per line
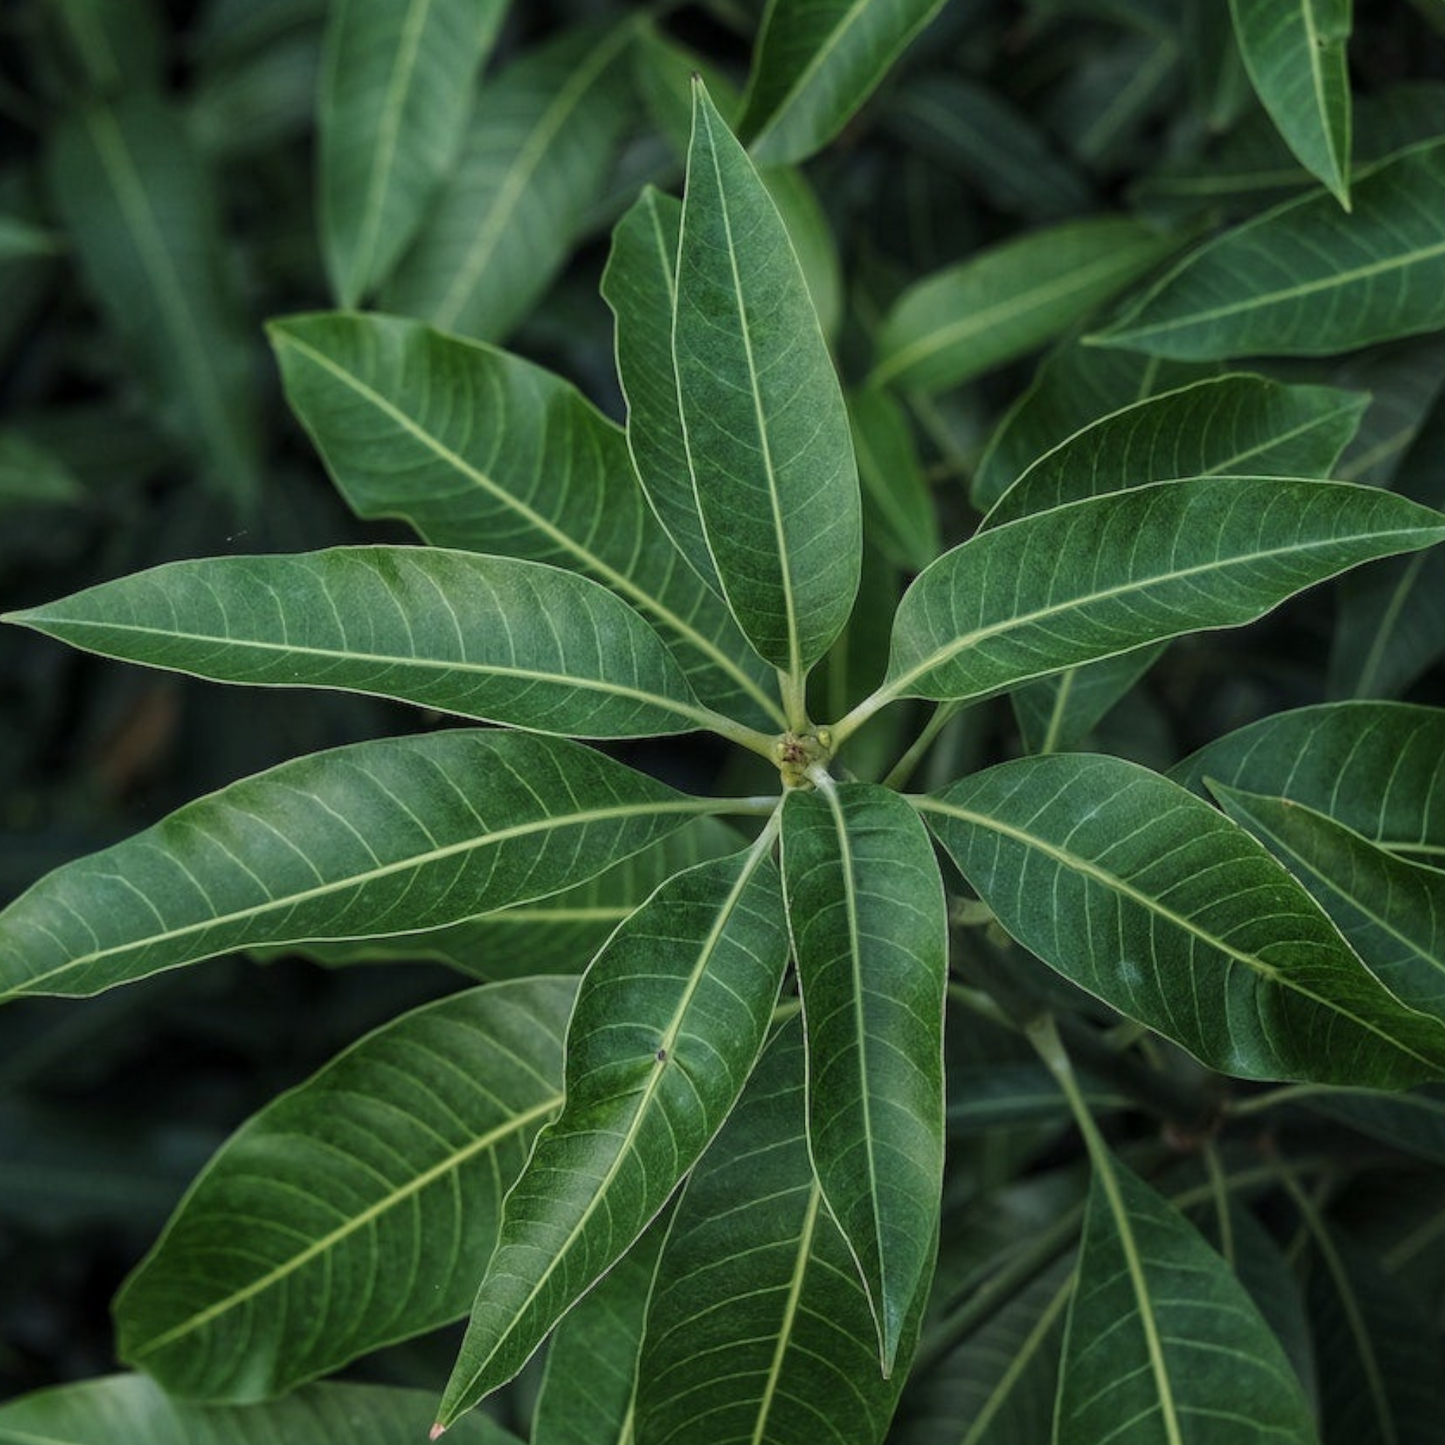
849 724
905 767
1274 1098
757 742
794 687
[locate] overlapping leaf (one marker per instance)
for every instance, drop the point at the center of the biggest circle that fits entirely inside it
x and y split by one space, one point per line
1144 895
396 87
815 63
358 1209
1101 576
480 450
759 1328
1306 279
902 516
670 1019
764 425
495 638
379 837
870 934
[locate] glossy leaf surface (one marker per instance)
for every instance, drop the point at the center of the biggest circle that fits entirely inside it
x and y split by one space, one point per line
669 1021
495 638
870 935
358 1209
396 87
1145 896
766 432
379 837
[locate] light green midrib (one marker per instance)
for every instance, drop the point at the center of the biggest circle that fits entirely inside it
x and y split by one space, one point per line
615 579
329 1241
1111 881
361 880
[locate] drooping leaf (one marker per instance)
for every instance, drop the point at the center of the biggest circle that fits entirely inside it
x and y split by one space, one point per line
481 450
896 499
133 1408
495 638
968 319
815 63
536 151
1151 900
1101 576
396 87
1391 911
1235 425
765 428
141 217
358 1209
1161 1334
670 1019
1294 51
1373 766
759 1328
870 935
1305 279
374 838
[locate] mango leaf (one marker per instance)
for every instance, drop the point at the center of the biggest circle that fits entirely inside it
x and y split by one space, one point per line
1373 766
481 450
1235 425
537 150
131 1407
587 1389
379 837
896 499
1305 279
815 64
970 318
396 86
141 217
1145 896
670 1019
813 242
1161 1334
1414 1122
395 1157
1056 713
1392 912
759 1326
764 424
870 935
1101 576
33 476
494 638
1294 51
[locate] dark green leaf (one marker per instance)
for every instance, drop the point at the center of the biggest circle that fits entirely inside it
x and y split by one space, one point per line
896 498
1414 1122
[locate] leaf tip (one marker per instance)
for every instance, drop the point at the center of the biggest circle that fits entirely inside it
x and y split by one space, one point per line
437 1431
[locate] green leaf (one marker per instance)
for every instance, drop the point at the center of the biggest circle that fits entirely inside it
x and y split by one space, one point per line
670 1019
133 1408
1056 713
1145 896
764 425
1414 1122
1098 577
537 150
139 211
33 476
1231 425
1373 766
1009 300
379 837
481 450
1391 912
1294 51
23 240
896 500
1162 1335
813 243
358 1209
870 935
484 637
759 1328
396 86
1305 279
815 63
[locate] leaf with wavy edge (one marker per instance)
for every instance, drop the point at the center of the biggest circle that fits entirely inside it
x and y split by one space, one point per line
670 1019
379 837
1147 897
396 86
494 638
481 450
357 1209
870 935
